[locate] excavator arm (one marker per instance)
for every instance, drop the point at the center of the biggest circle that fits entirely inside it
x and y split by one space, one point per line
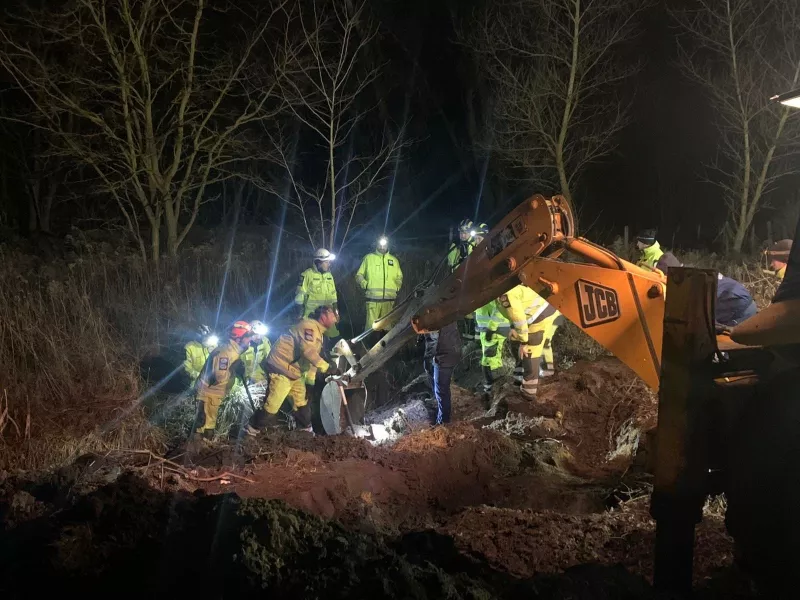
617 303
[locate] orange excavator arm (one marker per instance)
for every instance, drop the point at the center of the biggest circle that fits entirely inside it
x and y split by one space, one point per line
615 302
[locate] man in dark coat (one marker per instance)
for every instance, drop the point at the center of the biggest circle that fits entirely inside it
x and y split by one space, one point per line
442 354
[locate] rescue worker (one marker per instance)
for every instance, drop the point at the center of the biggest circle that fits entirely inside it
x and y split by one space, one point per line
317 288
462 248
253 357
533 325
293 359
219 374
381 278
734 303
197 352
778 257
493 329
652 255
442 353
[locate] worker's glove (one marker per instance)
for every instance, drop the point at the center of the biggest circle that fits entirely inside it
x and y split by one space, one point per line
489 335
521 352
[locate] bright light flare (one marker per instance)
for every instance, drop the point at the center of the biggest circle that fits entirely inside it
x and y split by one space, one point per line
473 233
260 329
212 341
788 99
331 257
383 242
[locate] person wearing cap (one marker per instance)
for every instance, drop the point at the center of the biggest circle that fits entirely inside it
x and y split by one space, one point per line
381 278
197 352
219 375
317 288
763 490
653 257
255 353
294 359
778 257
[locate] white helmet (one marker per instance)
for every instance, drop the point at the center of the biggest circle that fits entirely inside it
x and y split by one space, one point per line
324 255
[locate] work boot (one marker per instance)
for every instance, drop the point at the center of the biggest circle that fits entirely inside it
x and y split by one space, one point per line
546 370
303 417
258 423
518 372
208 434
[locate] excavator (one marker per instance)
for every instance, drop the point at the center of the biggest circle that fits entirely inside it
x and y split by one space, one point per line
661 327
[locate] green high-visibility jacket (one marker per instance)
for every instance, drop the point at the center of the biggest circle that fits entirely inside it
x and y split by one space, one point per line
489 318
380 276
315 289
196 356
458 252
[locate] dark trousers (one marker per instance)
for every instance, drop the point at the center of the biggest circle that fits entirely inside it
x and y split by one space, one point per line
440 378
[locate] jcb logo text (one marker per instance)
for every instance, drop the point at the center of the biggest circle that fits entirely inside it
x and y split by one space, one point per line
596 303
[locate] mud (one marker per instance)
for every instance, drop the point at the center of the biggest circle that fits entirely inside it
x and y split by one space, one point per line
511 501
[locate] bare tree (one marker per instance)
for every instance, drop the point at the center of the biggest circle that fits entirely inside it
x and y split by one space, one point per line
163 98
742 52
555 69
328 96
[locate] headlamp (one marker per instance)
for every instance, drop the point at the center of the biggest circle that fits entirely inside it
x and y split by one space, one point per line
473 233
383 242
211 341
261 329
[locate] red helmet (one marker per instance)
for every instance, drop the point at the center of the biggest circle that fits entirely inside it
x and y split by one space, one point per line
240 329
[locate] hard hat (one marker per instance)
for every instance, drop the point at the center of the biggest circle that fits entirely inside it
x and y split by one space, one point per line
480 229
203 331
465 225
259 328
324 255
383 241
240 329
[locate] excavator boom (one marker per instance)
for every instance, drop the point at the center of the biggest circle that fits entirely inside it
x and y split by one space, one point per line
617 303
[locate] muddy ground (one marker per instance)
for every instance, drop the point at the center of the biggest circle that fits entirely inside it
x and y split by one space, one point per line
545 500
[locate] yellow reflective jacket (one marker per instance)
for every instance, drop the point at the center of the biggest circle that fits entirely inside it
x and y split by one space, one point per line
489 318
315 289
522 306
196 356
254 359
380 276
298 351
458 252
219 373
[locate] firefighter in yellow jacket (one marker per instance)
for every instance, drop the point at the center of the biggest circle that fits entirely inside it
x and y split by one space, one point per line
197 352
294 358
381 278
317 288
494 329
219 374
255 354
533 324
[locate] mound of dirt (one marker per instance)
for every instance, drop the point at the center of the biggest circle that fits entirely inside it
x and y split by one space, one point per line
128 539
601 410
526 543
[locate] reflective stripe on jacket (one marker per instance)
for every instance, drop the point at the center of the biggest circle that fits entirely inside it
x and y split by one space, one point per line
315 289
298 351
489 318
522 306
380 276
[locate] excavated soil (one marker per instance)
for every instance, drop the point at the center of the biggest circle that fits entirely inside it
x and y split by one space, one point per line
516 499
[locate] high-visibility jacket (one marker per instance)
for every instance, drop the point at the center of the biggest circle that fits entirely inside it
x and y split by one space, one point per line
653 257
457 252
523 307
196 356
781 273
298 351
253 358
380 276
219 373
315 289
489 318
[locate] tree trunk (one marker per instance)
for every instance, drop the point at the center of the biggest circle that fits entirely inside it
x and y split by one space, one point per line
155 244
